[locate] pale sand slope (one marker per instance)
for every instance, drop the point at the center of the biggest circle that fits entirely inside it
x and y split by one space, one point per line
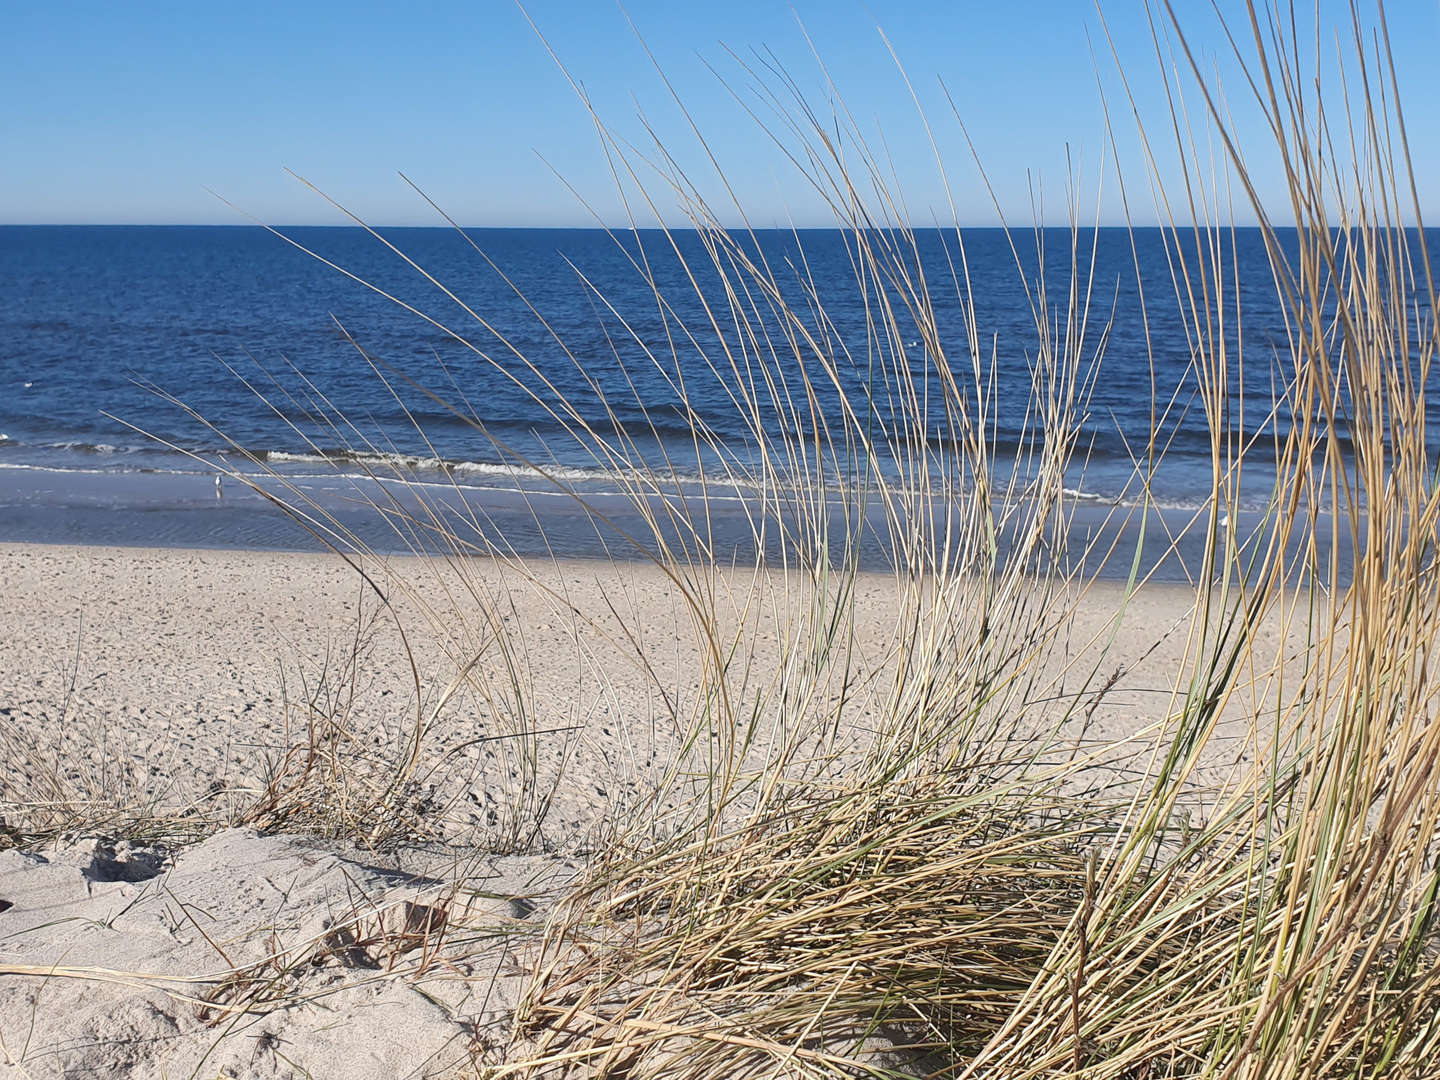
341 967
160 679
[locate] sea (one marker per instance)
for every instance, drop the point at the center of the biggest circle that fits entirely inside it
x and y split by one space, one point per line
525 377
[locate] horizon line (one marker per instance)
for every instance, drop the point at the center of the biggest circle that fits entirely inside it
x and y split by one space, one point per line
626 228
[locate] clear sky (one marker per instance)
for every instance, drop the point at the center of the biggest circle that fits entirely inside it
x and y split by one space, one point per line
128 112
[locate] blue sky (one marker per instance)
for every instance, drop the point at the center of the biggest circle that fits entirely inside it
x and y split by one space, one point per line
121 113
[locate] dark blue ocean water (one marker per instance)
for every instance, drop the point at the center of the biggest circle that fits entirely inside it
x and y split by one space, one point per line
95 320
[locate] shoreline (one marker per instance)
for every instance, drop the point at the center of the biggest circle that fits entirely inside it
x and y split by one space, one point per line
142 510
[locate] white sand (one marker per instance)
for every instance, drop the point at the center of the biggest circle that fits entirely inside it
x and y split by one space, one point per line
169 680
369 998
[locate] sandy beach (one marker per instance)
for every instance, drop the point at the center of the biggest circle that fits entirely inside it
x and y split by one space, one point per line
175 685
161 675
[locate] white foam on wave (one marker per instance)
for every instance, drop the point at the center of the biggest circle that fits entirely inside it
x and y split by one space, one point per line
432 473
79 446
412 463
23 467
285 455
1093 496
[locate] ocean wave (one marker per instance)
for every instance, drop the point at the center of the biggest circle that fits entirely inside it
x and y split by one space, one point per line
405 466
20 466
101 449
461 475
341 464
657 487
463 478
1081 495
338 461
